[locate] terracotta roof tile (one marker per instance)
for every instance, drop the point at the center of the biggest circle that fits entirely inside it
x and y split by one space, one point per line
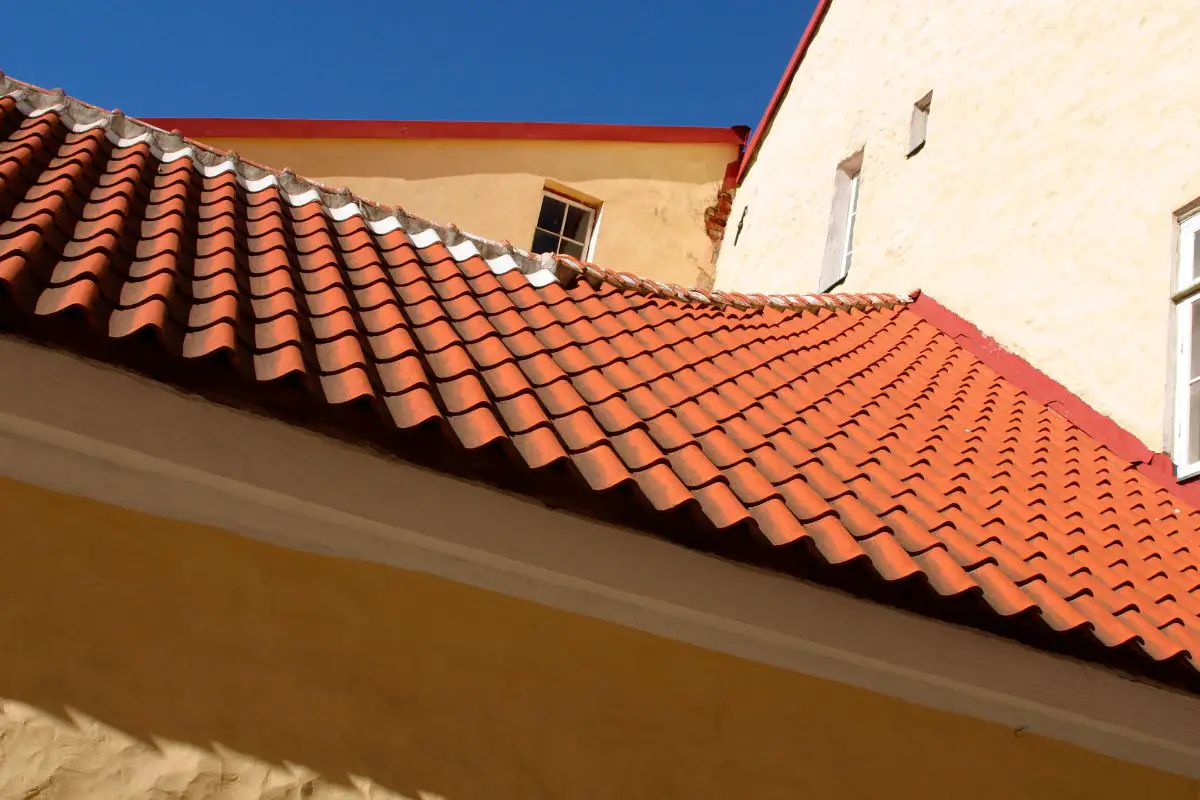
839 437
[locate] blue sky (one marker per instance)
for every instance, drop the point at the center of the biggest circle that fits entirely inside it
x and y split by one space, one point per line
653 62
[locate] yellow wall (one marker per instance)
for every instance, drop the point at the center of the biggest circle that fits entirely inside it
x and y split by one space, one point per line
654 195
194 643
1063 137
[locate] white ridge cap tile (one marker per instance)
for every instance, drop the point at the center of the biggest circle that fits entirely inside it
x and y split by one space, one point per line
112 136
464 250
543 277
175 155
425 238
258 184
344 212
214 170
30 111
311 196
502 264
84 127
385 225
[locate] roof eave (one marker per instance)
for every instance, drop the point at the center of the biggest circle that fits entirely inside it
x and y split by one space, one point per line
810 33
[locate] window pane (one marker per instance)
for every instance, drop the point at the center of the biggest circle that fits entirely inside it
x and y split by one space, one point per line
1193 423
1195 312
571 248
577 223
544 242
1195 259
553 212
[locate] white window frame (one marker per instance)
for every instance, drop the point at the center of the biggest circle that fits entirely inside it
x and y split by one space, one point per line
1187 295
918 131
839 244
593 228
851 215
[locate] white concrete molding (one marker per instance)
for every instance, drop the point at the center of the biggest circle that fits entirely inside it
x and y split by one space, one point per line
141 445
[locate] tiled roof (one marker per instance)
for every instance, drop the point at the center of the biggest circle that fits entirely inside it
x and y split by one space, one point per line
842 438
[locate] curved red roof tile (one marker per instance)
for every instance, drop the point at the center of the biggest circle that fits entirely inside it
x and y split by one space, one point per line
840 438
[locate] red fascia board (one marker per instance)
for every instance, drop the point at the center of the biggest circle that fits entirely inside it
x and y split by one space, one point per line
1158 467
199 128
810 33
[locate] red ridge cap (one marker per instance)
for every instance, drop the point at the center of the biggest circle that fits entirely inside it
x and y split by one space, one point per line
810 33
1158 467
199 127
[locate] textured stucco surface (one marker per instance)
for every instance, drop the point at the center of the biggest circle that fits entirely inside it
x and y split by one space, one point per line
654 194
51 757
163 659
1064 136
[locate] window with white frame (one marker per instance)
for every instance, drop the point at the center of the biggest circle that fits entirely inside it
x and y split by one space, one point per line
839 246
564 226
1187 349
919 128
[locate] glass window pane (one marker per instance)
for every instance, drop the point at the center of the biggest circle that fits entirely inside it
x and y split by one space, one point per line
1195 313
553 212
577 223
1193 423
571 248
544 242
1190 276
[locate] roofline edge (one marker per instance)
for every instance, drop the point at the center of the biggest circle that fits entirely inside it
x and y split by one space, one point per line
1155 466
785 83
247 127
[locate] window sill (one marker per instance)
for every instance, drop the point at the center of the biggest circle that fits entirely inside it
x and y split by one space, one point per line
1185 472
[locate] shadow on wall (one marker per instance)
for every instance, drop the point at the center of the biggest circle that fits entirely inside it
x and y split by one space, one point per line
175 633
415 160
81 757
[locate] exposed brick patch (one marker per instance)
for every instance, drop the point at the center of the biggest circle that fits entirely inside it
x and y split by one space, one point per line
716 218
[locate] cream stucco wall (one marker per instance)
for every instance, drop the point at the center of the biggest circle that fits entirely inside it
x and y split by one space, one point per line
1064 136
654 194
146 658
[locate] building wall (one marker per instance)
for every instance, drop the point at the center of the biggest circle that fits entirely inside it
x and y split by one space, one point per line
1064 136
149 658
654 194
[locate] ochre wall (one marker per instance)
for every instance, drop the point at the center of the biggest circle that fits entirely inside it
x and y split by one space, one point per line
654 194
1063 138
165 648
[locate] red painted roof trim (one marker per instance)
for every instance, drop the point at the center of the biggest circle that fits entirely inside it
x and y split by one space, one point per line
1158 467
199 128
810 33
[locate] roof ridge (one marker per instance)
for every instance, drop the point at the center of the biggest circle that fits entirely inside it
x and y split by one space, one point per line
337 201
341 203
570 269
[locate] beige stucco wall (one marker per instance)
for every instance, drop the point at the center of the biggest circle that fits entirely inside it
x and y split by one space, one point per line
654 194
1064 135
148 658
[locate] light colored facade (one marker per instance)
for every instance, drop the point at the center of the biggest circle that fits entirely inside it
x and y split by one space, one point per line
170 637
655 189
1063 144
